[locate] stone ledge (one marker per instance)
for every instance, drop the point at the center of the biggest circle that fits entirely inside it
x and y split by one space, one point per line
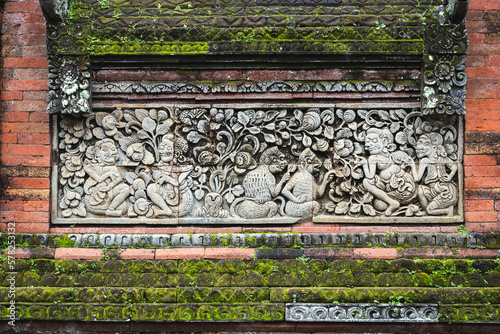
262 240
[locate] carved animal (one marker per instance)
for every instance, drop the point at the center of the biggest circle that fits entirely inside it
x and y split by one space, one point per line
261 188
302 189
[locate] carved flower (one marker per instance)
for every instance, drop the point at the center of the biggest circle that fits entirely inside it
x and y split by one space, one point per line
136 151
311 121
444 70
457 101
219 116
110 122
244 160
207 158
343 147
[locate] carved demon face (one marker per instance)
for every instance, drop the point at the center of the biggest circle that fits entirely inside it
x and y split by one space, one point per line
166 150
374 143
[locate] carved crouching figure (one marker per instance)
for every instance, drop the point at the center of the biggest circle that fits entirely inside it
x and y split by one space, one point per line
261 188
170 191
384 176
438 195
302 189
105 191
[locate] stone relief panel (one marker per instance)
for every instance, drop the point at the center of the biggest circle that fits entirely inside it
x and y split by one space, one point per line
258 164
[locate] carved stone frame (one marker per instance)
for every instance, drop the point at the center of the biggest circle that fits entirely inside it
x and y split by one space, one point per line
443 54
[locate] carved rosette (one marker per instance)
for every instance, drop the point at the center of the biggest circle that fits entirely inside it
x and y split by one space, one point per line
69 85
444 75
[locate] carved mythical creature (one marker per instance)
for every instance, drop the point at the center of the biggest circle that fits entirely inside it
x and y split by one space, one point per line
384 176
302 189
261 188
105 191
438 194
170 190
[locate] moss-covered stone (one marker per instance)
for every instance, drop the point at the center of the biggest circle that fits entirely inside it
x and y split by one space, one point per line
160 295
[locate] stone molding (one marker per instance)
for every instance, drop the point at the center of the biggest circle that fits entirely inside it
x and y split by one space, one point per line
266 240
361 312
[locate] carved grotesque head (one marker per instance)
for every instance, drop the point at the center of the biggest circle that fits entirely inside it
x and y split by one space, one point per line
273 158
378 141
430 145
309 161
166 148
106 152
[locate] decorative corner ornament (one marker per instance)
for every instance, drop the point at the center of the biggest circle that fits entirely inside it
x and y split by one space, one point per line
69 84
54 10
456 10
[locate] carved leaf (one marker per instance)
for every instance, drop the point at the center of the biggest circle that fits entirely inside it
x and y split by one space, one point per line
238 190
353 126
349 116
384 115
330 207
203 126
99 133
80 210
130 177
254 130
194 137
141 134
199 194
342 208
271 115
329 132
298 114
162 129
355 208
229 197
394 127
148 158
243 118
141 114
270 126
344 133
269 138
148 124
369 210
362 113
307 141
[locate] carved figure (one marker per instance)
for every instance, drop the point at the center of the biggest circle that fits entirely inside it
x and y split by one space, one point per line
105 191
438 194
170 189
384 176
302 189
261 188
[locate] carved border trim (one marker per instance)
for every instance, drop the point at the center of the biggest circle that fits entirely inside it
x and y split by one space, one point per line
273 240
361 312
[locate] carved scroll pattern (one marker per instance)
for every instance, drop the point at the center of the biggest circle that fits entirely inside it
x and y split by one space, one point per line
247 164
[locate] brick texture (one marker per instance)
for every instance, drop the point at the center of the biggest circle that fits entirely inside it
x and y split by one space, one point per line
24 128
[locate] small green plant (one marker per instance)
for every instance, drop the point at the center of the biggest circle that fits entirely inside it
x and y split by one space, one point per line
462 230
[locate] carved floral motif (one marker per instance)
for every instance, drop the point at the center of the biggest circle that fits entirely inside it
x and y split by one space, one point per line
257 163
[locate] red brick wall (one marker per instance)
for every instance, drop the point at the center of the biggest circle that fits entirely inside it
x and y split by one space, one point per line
24 131
24 128
482 122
